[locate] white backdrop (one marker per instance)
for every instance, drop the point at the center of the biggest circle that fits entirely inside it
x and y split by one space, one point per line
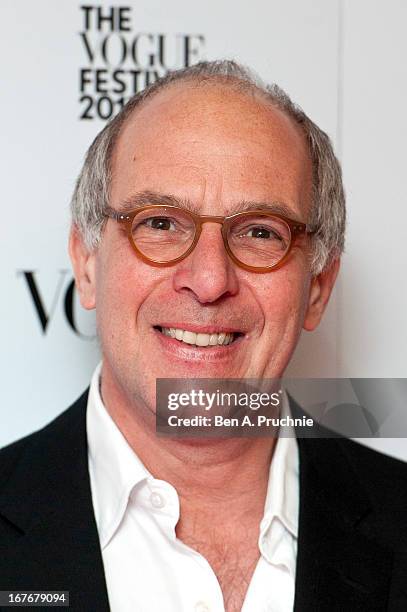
342 61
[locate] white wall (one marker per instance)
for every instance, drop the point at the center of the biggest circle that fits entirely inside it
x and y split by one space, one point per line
373 321
372 325
334 58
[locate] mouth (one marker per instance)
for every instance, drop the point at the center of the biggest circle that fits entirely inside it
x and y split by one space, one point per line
200 339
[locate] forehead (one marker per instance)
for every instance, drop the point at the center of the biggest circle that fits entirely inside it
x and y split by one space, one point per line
212 145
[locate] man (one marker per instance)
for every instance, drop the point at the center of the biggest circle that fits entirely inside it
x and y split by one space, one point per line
160 523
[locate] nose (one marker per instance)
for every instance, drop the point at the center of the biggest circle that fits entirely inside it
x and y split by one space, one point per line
208 272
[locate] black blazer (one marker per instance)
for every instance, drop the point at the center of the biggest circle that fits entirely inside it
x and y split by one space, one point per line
352 546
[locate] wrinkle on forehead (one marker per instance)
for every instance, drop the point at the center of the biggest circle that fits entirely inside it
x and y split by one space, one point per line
228 110
189 131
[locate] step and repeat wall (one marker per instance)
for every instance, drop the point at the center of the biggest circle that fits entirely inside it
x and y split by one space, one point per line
68 67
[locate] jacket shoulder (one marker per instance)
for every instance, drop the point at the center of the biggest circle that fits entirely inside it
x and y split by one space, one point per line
384 480
379 472
366 456
11 454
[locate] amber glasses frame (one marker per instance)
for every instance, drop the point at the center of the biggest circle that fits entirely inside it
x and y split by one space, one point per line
296 229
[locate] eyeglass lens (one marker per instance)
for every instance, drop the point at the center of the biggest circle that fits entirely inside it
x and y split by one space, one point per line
165 234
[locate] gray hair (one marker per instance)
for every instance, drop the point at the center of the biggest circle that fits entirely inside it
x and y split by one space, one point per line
91 194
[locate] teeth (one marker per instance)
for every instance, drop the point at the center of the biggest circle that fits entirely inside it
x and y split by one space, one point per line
189 337
202 339
221 339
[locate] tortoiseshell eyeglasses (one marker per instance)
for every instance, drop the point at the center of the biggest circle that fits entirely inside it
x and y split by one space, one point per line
255 240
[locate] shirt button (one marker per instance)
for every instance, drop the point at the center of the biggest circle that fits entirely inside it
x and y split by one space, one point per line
201 606
157 500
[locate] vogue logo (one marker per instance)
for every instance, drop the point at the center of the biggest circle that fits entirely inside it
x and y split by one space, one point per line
63 295
120 60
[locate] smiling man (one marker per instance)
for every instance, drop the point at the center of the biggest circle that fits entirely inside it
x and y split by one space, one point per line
208 224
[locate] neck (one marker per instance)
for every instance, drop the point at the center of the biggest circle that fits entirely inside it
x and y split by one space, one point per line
216 479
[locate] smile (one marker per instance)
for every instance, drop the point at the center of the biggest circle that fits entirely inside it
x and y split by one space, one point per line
199 339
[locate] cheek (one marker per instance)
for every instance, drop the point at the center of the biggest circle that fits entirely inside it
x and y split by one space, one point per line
124 285
113 290
285 303
117 300
284 311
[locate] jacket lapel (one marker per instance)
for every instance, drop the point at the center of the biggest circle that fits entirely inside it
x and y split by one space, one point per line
48 503
339 567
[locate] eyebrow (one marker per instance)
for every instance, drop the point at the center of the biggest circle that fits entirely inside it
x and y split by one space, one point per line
144 198
274 207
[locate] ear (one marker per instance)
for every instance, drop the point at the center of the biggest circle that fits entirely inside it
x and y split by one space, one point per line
320 290
83 263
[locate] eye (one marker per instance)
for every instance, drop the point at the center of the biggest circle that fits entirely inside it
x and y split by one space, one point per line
261 232
160 223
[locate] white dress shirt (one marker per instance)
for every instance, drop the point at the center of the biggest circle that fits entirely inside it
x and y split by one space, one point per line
147 567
